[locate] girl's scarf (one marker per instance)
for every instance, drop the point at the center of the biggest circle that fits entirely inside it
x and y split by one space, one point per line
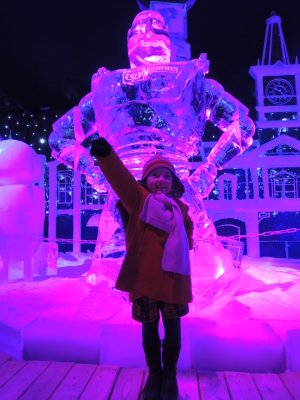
164 213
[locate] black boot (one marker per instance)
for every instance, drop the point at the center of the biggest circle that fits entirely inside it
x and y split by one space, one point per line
170 355
152 386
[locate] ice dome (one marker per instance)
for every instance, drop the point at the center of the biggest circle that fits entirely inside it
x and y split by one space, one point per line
19 164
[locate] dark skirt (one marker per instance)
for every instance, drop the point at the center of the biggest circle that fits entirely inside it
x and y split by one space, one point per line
145 309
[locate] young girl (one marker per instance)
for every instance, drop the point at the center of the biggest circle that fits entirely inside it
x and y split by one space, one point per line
156 269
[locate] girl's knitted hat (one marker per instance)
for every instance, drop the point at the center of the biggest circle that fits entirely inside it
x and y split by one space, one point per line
157 161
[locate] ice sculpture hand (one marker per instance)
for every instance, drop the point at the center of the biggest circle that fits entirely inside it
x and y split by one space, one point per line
203 179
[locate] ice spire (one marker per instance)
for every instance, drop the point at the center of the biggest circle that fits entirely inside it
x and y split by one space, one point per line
274 44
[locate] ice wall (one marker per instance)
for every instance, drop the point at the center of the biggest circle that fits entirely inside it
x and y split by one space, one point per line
22 206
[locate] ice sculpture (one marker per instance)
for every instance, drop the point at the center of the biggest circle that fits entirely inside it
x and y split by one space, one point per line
22 206
155 106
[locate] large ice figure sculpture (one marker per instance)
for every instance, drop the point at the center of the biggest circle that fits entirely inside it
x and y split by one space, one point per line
22 206
156 106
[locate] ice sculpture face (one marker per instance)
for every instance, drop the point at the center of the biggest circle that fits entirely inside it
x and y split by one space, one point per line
148 40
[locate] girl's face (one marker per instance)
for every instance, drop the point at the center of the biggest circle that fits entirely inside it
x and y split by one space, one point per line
160 180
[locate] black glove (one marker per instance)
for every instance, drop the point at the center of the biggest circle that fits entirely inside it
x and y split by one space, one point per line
100 148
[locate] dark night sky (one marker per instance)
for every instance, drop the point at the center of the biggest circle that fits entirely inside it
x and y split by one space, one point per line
50 49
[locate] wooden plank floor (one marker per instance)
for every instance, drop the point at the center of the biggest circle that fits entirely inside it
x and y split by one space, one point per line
39 380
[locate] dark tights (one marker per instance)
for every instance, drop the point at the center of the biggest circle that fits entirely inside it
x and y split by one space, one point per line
172 331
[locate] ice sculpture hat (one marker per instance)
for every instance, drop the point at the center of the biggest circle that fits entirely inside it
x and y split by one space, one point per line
148 40
159 161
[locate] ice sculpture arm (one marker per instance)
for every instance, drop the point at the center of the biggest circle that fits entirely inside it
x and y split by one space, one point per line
118 176
231 117
71 137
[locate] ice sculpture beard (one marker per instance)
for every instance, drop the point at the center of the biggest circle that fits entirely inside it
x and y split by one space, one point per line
148 40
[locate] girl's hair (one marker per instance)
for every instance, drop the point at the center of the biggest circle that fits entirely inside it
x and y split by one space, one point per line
176 194
123 213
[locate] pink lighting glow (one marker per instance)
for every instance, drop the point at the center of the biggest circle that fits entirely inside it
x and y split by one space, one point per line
245 314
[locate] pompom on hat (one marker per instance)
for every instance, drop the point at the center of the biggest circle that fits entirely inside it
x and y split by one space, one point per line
159 161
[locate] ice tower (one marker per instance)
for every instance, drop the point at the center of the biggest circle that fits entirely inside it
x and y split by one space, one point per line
277 84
